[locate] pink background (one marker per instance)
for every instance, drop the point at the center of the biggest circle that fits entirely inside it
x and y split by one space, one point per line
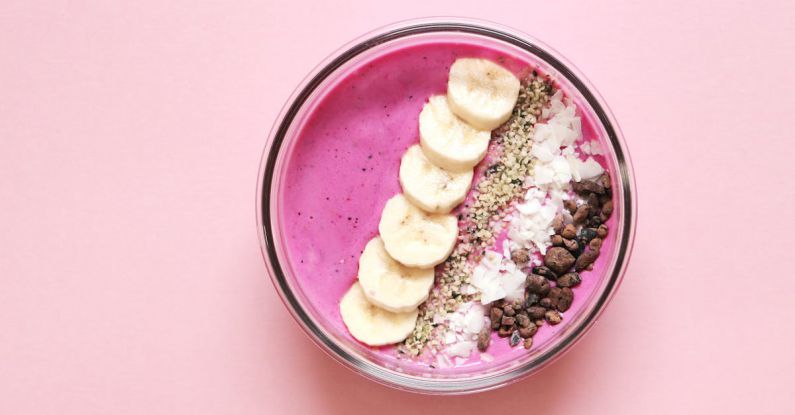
131 278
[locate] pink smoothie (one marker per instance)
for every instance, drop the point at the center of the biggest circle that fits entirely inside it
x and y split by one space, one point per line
344 167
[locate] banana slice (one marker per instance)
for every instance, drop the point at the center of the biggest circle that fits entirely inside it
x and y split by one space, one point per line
390 285
447 140
431 188
372 325
416 238
481 92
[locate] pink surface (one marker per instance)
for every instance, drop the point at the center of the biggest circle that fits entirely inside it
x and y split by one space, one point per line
131 275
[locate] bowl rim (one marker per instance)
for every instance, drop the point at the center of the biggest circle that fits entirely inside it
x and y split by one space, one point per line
337 59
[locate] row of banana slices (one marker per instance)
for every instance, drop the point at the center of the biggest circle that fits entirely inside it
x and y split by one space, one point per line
417 231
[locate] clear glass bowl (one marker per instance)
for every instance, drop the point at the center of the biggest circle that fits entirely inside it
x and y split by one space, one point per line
319 326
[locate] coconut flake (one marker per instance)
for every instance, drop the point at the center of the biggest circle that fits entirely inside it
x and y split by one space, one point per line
555 166
543 174
562 169
530 208
449 338
506 248
468 289
590 169
486 278
591 147
513 285
461 349
531 223
474 319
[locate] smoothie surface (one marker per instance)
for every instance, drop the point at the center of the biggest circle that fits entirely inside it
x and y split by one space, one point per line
344 166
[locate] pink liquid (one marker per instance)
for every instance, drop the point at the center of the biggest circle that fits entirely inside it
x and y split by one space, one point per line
344 167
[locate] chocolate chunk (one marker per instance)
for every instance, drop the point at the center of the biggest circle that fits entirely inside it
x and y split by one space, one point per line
581 214
505 331
593 202
566 297
545 302
496 317
569 232
554 296
586 234
545 272
571 279
570 205
553 317
508 321
558 223
522 320
557 240
572 246
536 312
607 208
594 221
520 256
604 181
537 284
528 343
595 244
602 231
530 299
529 331
586 186
587 258
558 259
484 339
508 310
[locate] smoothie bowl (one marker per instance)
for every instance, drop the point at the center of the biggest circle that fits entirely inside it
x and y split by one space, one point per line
445 206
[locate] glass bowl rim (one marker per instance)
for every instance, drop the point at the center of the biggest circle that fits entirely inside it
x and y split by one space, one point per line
392 32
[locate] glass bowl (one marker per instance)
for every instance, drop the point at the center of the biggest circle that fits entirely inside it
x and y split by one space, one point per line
324 327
